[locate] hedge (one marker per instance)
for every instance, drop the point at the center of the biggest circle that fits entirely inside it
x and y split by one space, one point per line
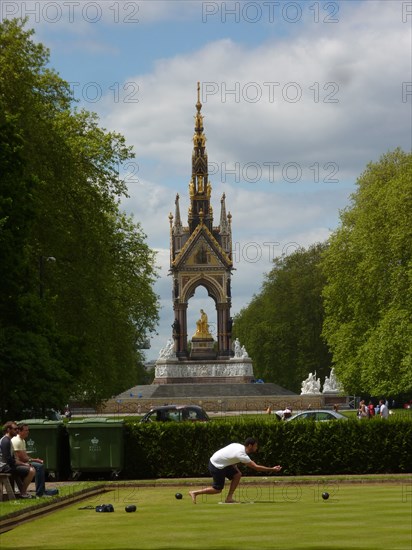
168 450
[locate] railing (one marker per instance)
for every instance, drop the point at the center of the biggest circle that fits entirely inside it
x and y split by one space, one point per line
222 406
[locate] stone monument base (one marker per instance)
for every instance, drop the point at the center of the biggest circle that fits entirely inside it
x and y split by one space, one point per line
174 371
335 398
203 349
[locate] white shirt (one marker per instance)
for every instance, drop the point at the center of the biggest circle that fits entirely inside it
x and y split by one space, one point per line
232 454
18 443
384 411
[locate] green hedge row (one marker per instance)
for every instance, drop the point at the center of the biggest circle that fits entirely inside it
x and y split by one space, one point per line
303 448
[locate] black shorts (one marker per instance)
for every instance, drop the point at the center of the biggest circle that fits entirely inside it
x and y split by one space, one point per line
21 471
219 475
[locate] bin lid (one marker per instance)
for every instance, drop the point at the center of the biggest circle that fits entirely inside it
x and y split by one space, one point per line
43 422
98 421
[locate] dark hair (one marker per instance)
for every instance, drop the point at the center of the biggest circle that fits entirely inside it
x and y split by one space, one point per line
21 426
7 426
250 441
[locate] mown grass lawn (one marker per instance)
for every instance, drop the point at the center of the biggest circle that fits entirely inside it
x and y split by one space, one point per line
275 515
65 491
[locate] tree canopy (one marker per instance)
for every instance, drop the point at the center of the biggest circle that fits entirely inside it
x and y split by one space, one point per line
368 295
281 327
77 299
347 302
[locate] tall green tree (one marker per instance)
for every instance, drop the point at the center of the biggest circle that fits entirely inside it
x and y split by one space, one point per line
368 295
22 348
77 276
281 327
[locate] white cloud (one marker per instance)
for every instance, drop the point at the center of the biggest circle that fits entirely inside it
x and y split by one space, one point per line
346 79
360 63
363 72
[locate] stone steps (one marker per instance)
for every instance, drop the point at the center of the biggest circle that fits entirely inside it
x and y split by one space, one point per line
213 397
172 391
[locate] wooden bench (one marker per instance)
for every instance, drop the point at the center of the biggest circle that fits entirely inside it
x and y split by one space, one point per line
5 484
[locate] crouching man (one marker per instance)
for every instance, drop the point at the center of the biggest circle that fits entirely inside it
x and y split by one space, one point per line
223 464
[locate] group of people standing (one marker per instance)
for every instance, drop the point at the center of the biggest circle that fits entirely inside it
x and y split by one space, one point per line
15 460
368 411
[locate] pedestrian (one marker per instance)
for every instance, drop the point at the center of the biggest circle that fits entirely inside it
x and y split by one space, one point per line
383 409
223 464
363 411
67 412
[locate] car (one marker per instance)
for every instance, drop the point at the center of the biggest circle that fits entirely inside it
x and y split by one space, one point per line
408 405
318 415
46 414
176 413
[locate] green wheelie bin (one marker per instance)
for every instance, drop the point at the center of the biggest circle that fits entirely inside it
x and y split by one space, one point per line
96 445
48 440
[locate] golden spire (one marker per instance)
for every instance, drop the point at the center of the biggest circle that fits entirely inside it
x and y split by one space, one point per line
198 121
199 157
199 186
198 104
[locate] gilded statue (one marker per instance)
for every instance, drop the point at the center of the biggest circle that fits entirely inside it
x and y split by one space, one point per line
191 189
202 327
200 187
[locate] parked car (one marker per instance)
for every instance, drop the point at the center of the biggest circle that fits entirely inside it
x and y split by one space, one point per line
47 414
408 405
176 413
318 415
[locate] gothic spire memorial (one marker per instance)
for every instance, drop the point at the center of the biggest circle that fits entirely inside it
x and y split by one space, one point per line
201 255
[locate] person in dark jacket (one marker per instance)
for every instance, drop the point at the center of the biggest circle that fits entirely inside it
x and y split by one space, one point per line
22 474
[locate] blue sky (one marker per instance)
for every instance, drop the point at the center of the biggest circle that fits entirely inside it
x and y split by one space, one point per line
297 96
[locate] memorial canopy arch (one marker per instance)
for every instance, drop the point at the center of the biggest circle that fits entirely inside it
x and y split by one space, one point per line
201 253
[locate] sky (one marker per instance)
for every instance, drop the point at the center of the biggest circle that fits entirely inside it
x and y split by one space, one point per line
298 97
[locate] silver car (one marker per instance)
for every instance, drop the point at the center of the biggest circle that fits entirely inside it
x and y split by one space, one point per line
318 415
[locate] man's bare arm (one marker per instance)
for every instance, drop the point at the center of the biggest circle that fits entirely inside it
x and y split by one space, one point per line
260 468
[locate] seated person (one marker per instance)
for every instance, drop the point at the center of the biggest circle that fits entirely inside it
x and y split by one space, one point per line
22 473
20 452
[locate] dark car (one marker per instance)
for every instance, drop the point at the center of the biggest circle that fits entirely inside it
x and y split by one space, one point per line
176 413
317 416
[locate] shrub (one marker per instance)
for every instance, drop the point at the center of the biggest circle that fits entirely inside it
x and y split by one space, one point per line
302 448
